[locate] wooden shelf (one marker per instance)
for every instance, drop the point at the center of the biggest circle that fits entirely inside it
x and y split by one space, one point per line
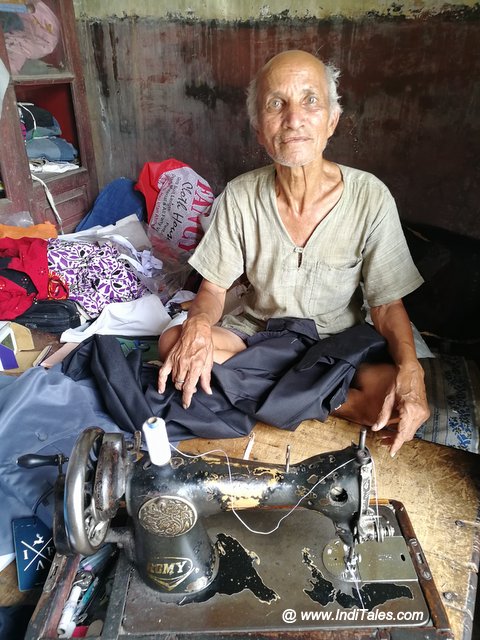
60 89
54 78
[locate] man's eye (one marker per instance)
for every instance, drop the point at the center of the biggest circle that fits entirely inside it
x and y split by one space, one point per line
312 100
275 104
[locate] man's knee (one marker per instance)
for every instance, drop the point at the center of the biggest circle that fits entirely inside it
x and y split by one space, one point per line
373 380
226 344
357 408
367 393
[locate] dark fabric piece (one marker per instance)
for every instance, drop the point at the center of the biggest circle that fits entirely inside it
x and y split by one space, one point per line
14 621
38 122
118 378
276 326
285 376
281 380
34 116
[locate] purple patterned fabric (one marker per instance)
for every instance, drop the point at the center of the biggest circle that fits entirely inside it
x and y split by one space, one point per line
96 275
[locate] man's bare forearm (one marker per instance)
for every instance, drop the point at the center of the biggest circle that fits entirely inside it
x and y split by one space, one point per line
407 396
208 304
392 322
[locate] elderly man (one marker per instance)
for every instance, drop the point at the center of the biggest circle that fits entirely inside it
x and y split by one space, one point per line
309 235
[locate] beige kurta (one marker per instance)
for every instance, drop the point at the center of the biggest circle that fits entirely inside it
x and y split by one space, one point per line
359 242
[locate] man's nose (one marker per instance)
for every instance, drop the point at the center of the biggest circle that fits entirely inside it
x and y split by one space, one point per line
293 116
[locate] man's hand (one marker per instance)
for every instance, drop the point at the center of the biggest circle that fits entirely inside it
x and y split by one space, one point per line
191 357
407 398
190 360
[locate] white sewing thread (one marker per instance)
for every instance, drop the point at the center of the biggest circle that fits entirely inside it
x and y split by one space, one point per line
355 574
356 581
50 199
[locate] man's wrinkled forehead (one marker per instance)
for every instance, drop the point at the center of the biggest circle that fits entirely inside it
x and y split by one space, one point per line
297 66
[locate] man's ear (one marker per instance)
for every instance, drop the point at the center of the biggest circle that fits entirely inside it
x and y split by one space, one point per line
260 138
332 124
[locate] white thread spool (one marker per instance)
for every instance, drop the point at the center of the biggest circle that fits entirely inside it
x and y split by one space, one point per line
157 441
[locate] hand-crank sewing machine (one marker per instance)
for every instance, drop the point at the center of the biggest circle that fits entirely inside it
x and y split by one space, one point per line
168 503
309 539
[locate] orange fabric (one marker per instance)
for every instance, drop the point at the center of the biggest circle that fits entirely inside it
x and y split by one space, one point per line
45 230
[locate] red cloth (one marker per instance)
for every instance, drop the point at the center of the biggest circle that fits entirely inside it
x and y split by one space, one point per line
148 180
13 300
30 256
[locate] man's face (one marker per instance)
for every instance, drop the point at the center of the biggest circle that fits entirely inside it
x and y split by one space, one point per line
294 119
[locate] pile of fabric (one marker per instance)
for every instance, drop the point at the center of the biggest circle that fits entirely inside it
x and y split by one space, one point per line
93 272
43 137
123 275
113 258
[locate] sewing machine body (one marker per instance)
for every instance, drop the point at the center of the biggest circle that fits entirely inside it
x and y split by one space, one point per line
168 503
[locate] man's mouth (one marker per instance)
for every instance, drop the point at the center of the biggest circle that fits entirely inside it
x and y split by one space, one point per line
294 139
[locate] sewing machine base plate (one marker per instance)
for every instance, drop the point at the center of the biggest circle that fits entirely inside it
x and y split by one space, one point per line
273 586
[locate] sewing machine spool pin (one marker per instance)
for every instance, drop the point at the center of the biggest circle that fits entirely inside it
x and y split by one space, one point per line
287 459
363 439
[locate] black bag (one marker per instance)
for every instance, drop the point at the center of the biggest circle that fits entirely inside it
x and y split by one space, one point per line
53 316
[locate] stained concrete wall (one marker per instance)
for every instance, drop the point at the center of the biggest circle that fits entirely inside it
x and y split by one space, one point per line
165 82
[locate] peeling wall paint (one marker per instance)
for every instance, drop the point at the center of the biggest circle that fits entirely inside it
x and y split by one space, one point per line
233 10
161 87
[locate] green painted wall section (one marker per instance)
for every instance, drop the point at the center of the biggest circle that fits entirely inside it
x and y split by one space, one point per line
245 10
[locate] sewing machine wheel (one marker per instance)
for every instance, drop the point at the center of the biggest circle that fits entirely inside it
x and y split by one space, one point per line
110 476
86 524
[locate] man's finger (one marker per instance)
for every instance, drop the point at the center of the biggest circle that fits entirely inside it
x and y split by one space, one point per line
385 412
179 381
163 374
205 380
187 395
405 433
397 444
